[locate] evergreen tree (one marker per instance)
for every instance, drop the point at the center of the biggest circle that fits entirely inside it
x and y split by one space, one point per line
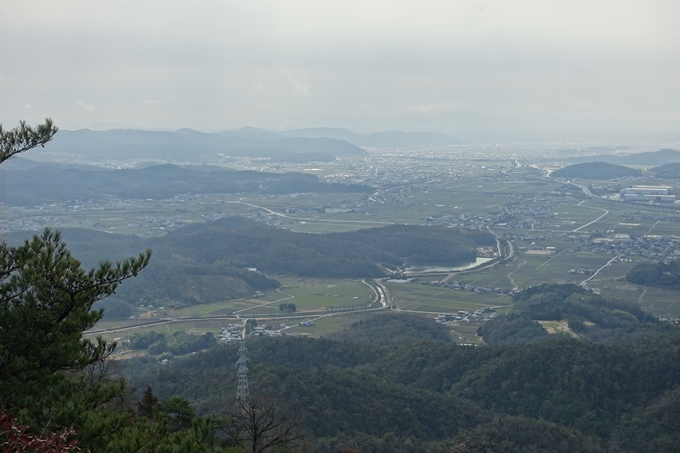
46 301
146 406
179 412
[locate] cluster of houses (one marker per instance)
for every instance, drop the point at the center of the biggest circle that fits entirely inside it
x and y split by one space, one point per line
265 330
475 289
655 247
28 223
669 319
533 213
158 222
470 221
583 270
652 246
482 314
447 317
233 332
665 218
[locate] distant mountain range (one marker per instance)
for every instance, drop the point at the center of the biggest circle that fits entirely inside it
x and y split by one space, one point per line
661 157
191 146
187 145
376 139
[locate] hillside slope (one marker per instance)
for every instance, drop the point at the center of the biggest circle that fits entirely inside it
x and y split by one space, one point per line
30 185
595 170
427 396
660 157
668 171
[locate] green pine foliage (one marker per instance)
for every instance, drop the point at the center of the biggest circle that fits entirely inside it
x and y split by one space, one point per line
48 370
148 403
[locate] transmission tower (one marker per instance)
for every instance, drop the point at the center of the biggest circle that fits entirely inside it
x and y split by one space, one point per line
242 373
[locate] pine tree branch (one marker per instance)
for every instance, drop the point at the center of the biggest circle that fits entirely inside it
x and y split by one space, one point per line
23 138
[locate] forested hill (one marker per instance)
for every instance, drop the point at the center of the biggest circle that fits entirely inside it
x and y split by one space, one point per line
588 316
656 274
595 170
352 254
214 256
393 329
28 183
240 242
563 395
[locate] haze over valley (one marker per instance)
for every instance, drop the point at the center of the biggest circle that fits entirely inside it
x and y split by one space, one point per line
340 227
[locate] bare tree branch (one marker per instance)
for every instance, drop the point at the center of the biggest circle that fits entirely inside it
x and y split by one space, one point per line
262 425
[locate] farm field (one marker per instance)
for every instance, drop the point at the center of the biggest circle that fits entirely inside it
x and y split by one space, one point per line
220 308
433 299
530 269
465 333
616 220
313 294
655 300
170 327
308 294
326 325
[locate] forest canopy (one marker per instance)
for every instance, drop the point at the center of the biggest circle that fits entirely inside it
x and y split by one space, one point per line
656 274
589 315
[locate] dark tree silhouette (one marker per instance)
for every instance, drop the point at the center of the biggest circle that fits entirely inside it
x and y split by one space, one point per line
147 404
262 425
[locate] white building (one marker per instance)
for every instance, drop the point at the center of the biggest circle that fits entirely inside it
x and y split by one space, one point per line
645 194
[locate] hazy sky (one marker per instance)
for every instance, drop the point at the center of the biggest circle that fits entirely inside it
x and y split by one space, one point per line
213 65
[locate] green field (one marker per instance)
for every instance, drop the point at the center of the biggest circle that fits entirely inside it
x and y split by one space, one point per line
318 294
655 300
530 269
326 325
433 299
197 326
308 295
312 296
